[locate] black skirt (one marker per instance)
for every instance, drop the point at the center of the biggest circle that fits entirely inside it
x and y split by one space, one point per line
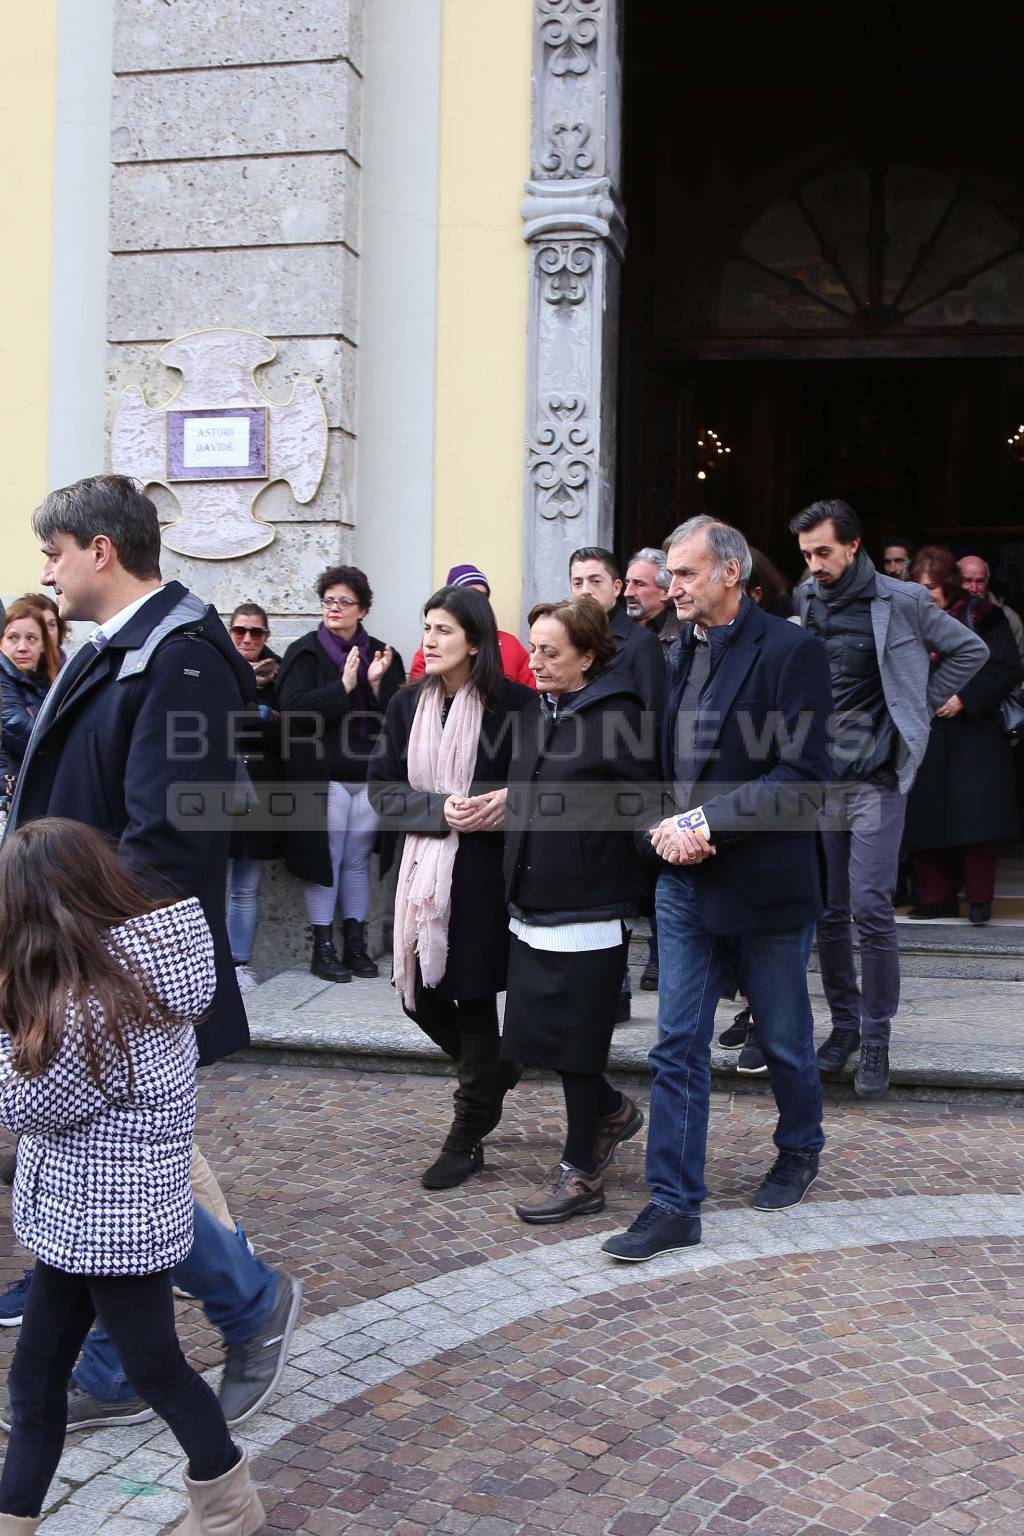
560 1009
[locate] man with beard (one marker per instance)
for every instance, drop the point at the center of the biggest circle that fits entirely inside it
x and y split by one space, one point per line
895 660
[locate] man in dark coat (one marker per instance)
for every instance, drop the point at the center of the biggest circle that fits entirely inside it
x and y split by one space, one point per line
134 739
593 572
745 743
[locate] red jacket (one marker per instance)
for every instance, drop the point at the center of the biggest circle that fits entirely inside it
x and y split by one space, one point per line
515 661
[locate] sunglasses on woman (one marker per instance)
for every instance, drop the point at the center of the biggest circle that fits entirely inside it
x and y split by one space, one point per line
255 630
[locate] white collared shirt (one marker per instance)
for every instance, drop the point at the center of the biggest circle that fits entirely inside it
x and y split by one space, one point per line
109 628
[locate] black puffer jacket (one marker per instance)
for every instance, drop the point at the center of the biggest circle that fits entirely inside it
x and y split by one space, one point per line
579 784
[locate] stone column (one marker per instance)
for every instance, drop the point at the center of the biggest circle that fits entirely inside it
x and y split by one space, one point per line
574 225
235 202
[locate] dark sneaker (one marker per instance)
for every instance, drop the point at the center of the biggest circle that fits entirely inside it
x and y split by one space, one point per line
253 1370
871 1079
735 1036
622 1008
654 1231
929 911
751 1058
88 1412
979 912
12 1302
626 1121
649 976
787 1181
837 1049
566 1192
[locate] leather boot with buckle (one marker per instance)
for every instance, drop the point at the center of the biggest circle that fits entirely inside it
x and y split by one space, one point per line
326 962
566 1192
354 952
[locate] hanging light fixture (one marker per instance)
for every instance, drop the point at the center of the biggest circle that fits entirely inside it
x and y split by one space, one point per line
712 453
1016 445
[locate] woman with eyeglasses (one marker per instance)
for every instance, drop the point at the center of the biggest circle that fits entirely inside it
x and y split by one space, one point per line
333 687
260 745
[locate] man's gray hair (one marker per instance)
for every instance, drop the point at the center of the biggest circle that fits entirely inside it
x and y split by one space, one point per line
656 557
724 542
988 570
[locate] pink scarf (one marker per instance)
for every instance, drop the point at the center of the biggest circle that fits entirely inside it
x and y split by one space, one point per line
440 761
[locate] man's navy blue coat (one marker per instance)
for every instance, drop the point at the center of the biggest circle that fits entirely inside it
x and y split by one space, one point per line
103 753
760 766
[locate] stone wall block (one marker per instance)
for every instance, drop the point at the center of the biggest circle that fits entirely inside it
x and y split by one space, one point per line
332 502
279 200
299 291
328 361
196 34
281 577
280 109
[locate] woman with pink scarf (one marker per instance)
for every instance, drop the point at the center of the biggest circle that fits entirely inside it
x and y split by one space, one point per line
439 776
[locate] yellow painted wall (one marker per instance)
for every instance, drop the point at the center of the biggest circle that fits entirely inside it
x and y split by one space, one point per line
482 293
28 82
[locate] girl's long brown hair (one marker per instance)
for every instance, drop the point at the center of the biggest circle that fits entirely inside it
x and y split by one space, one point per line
62 888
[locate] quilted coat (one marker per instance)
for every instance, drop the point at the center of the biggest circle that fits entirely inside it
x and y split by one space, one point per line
102 1185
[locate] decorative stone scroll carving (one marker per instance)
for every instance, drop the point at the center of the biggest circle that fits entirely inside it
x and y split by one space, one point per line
561 457
574 223
568 268
570 31
568 154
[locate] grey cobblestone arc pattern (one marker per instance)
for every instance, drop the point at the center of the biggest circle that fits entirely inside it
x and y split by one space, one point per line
336 1358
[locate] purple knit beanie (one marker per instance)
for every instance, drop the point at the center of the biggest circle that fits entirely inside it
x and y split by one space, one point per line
467 576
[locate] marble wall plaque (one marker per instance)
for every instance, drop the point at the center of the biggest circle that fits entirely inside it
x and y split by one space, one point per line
219 395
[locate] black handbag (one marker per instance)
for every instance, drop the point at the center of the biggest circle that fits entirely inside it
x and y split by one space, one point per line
1011 714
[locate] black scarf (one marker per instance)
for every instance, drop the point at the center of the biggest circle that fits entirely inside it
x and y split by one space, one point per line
856 582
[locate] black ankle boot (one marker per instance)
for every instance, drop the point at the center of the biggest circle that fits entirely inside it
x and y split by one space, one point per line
326 962
355 955
459 1157
484 1079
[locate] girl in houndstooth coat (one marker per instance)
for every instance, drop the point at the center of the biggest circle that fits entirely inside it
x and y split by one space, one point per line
101 985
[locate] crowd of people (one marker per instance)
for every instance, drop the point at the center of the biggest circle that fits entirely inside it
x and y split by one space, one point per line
692 742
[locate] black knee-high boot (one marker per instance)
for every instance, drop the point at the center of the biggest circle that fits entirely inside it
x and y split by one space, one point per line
483 1081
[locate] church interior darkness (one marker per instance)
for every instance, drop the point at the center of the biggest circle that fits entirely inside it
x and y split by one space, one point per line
823 290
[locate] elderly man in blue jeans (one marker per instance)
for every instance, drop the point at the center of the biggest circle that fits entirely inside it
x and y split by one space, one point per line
745 740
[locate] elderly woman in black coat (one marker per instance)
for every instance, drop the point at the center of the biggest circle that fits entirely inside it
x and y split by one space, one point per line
439 776
573 875
964 802
333 688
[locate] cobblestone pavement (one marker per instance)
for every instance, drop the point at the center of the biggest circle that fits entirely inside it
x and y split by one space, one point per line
855 1365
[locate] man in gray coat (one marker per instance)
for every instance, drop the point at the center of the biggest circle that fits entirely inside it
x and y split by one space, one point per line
881 636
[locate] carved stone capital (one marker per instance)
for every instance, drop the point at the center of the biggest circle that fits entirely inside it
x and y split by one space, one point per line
574 209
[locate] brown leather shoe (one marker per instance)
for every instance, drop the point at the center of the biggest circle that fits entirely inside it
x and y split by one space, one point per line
626 1121
565 1192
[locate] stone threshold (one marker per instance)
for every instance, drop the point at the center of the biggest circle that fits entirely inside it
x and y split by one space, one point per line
298 1020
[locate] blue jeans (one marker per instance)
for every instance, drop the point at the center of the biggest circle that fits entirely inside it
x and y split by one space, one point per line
694 969
244 876
237 1292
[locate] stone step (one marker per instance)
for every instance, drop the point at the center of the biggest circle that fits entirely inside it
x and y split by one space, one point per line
953 1037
